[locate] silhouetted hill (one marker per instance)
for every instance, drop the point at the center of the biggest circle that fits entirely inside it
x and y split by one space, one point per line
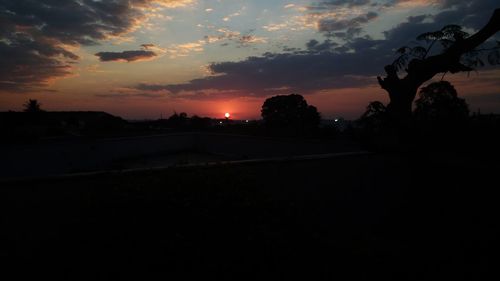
33 125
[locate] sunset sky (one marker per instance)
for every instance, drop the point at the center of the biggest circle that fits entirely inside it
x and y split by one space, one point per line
145 58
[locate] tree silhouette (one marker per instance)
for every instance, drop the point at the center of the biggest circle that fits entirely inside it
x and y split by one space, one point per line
32 106
439 104
178 120
290 112
459 53
375 117
375 109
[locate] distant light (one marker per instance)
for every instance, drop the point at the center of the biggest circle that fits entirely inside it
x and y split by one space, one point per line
336 120
227 115
220 122
247 121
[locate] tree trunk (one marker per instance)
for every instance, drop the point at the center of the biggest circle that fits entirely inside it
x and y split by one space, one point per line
401 92
400 107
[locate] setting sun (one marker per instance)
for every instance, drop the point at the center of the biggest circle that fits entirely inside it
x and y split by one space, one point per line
227 115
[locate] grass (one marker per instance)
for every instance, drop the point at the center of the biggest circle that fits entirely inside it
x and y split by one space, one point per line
392 217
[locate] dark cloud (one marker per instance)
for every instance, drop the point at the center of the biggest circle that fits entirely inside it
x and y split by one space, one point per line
332 4
390 3
25 65
330 25
405 33
304 71
346 35
417 19
320 66
128 56
148 46
317 47
472 14
130 95
466 13
36 36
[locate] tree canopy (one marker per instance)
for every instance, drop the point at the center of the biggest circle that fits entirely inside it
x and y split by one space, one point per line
291 112
438 102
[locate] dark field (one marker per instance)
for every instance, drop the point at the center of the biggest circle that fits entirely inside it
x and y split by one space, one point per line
372 217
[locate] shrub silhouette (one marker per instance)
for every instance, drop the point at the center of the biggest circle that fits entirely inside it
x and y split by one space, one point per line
32 106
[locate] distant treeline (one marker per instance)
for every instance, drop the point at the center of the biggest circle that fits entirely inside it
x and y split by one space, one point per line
178 121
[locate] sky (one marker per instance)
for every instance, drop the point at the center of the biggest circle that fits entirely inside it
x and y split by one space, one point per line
142 59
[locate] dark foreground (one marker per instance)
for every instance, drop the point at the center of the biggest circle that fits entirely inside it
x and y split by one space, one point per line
390 217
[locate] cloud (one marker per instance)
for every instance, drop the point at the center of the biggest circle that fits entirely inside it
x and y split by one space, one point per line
305 72
319 66
472 14
223 35
127 56
130 95
250 39
171 3
127 93
328 17
148 46
235 14
39 39
279 26
330 25
315 46
333 4
148 52
410 3
25 66
183 50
